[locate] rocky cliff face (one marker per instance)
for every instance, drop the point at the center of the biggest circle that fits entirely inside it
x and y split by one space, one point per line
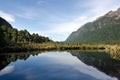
104 29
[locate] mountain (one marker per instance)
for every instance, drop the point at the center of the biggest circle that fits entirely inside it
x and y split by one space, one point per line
105 29
5 23
10 35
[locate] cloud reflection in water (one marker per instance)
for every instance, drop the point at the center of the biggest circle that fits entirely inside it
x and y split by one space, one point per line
6 70
68 59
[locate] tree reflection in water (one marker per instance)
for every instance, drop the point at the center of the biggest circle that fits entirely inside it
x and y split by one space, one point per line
6 59
102 61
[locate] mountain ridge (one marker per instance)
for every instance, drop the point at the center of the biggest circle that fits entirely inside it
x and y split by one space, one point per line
104 29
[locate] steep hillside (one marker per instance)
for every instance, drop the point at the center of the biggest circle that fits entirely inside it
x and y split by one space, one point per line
105 29
4 23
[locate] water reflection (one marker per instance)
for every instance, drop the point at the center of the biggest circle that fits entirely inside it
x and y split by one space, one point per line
102 61
5 58
57 66
6 70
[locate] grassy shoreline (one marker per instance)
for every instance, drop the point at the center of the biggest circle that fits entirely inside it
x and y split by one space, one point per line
112 49
19 47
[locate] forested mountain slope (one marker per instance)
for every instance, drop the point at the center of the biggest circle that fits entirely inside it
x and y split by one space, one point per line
105 29
10 35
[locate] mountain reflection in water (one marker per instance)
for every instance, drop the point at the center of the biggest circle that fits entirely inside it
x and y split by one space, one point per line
102 61
58 66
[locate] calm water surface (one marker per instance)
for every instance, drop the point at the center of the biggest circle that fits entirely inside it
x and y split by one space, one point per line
59 66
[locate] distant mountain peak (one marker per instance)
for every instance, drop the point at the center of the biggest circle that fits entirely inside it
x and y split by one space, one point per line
118 9
114 13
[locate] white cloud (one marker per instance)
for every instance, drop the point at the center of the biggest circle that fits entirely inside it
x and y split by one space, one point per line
7 16
64 29
96 8
6 70
67 27
27 13
100 8
80 18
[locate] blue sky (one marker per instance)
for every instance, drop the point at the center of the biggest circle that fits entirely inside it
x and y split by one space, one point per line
55 19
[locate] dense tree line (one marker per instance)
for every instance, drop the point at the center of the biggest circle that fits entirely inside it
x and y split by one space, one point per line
9 35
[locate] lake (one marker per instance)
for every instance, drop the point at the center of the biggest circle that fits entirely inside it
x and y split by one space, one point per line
59 66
